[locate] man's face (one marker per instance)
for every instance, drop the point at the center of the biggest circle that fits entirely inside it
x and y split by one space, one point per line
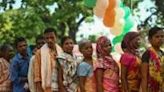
22 47
50 39
157 39
40 43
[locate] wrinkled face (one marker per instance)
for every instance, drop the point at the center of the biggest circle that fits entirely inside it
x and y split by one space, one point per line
107 47
40 43
22 47
158 39
68 46
87 50
50 39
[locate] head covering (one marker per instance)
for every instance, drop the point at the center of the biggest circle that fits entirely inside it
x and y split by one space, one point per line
129 43
105 60
99 46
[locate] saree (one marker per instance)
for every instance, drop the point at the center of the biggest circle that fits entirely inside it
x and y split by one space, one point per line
111 74
132 63
108 64
156 71
69 65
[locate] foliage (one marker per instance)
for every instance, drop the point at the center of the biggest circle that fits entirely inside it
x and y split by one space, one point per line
21 22
92 38
34 16
156 18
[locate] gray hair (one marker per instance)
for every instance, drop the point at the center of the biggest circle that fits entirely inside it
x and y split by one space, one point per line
82 43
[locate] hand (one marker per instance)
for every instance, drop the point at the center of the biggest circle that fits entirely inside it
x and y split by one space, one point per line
26 87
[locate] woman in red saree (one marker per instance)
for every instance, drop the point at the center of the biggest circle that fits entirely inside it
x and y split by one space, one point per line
130 63
152 67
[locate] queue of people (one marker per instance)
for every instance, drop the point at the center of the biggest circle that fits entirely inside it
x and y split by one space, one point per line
51 67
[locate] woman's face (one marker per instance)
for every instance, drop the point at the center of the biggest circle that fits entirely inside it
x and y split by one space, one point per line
107 47
68 46
136 42
87 50
157 39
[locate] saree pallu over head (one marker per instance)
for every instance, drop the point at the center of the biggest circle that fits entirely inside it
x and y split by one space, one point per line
130 44
154 76
109 65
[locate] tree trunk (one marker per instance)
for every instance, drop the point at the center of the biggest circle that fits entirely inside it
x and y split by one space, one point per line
74 29
72 33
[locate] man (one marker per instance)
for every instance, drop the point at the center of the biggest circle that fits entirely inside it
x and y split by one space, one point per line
44 63
39 43
19 66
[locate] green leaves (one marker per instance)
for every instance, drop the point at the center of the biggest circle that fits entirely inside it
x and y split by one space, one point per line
34 16
21 22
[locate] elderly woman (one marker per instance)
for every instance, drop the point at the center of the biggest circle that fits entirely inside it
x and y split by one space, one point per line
107 71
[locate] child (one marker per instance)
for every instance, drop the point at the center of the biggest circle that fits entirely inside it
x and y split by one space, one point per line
86 68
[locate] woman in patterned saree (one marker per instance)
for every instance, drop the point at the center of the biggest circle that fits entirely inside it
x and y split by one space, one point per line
107 72
130 63
152 68
67 67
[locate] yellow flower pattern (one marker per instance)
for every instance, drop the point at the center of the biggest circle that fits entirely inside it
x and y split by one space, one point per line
153 73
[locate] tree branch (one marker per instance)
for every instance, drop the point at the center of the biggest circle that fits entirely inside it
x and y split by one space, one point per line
80 21
148 18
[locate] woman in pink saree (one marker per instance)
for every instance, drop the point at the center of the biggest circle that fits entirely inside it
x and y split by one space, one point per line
107 72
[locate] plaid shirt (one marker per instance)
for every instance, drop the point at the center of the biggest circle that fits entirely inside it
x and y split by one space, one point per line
5 83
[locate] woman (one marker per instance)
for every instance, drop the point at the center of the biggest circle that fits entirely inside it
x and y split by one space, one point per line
107 73
152 67
67 67
5 83
86 68
130 63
